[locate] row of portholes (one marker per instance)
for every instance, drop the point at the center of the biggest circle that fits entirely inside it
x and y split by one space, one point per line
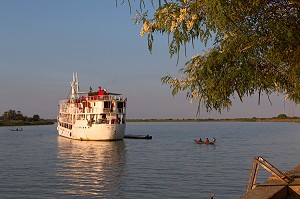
84 127
65 125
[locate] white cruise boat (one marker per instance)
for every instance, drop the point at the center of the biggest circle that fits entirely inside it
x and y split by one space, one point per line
92 115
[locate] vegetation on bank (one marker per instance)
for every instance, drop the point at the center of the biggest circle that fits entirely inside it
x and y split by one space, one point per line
16 118
279 118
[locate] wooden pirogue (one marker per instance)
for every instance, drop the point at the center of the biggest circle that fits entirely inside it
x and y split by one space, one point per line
199 142
148 137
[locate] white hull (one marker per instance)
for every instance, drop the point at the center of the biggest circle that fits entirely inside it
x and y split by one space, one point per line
96 132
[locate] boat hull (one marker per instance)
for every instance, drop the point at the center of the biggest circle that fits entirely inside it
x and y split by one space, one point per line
147 137
105 132
199 142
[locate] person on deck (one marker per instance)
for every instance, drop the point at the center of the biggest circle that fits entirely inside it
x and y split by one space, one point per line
207 141
100 91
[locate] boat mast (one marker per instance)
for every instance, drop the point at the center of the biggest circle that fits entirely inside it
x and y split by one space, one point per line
74 86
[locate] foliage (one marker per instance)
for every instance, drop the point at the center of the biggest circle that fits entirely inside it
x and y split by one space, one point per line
36 118
256 47
282 116
16 118
13 115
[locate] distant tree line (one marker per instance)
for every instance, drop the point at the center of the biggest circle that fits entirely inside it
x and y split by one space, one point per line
18 116
281 117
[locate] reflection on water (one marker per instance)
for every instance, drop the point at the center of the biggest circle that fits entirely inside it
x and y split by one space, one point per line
87 168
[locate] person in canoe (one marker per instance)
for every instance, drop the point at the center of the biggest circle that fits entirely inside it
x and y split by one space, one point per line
206 141
200 140
213 140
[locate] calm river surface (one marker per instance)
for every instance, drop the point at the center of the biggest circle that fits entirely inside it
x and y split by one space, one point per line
36 163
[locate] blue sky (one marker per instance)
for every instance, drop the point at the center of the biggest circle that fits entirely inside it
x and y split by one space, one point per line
43 42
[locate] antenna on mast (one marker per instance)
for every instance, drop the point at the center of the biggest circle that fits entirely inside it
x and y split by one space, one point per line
77 83
74 86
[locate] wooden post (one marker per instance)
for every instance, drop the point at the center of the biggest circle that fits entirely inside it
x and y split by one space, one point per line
273 170
267 166
253 175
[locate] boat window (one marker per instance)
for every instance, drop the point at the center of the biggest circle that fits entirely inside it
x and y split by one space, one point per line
107 104
120 104
102 121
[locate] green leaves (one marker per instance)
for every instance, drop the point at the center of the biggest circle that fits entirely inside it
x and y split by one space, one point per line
256 49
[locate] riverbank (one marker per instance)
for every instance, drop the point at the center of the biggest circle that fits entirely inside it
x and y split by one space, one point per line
294 119
26 123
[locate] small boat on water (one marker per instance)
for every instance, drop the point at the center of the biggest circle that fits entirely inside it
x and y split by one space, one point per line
199 142
148 137
17 129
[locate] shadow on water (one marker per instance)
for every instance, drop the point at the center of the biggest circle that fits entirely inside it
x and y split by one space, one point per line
90 169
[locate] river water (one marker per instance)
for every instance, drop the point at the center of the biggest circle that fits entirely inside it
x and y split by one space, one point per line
36 163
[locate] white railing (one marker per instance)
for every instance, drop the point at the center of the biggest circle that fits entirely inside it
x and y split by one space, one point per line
105 97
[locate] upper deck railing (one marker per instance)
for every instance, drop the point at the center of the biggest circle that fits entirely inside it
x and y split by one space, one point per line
108 97
83 105
105 97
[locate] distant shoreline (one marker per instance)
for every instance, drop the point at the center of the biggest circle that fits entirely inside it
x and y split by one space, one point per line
51 122
295 120
22 123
